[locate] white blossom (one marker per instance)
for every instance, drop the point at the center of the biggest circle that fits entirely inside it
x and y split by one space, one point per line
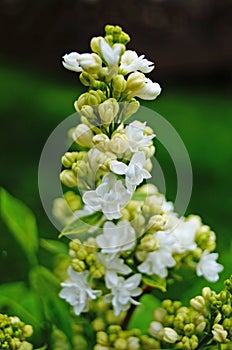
158 261
110 196
110 54
116 238
184 234
113 265
142 87
134 172
77 62
122 291
136 138
131 62
208 267
77 291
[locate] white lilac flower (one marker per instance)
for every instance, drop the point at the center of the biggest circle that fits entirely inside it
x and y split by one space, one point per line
131 62
113 265
122 291
140 86
134 172
77 62
136 138
184 234
110 54
109 197
158 261
116 238
77 291
208 267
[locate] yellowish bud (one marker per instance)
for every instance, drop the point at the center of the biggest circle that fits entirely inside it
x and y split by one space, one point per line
200 327
83 135
149 243
135 81
159 314
108 110
27 331
78 265
148 189
148 165
120 344
157 222
95 44
149 151
69 158
102 142
98 324
198 304
81 253
119 83
119 143
219 333
169 335
102 338
68 178
130 108
75 244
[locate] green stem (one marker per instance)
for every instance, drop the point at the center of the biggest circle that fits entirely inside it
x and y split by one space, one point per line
219 346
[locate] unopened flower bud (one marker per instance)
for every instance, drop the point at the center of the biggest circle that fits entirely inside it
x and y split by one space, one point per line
78 265
98 324
189 329
200 327
149 151
159 314
148 189
169 335
102 338
27 331
86 79
156 330
156 223
135 81
206 293
119 83
108 110
102 142
149 243
119 143
68 178
133 343
95 44
198 304
83 135
219 333
130 108
69 158
120 344
81 253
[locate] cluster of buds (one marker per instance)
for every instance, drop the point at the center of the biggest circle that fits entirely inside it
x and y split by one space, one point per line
13 333
114 337
206 322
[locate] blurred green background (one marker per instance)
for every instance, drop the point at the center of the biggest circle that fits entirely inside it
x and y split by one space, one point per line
192 66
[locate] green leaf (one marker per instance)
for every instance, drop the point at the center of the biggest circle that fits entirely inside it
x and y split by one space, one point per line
21 222
142 316
53 246
14 297
81 225
156 282
55 310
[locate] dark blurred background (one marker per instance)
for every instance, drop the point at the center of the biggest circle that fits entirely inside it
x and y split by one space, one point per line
190 42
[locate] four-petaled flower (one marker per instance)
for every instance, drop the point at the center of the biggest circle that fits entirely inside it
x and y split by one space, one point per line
158 261
208 267
131 62
110 196
116 238
136 138
77 291
134 172
184 234
122 291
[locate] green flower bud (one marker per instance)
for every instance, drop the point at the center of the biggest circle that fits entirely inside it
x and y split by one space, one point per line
86 79
91 245
102 338
97 270
75 244
193 342
114 329
189 329
98 324
91 259
78 265
73 200
69 158
95 44
120 344
118 83
206 293
200 327
81 253
102 142
68 178
157 222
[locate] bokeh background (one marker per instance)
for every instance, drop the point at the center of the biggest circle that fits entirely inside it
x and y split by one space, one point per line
190 42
